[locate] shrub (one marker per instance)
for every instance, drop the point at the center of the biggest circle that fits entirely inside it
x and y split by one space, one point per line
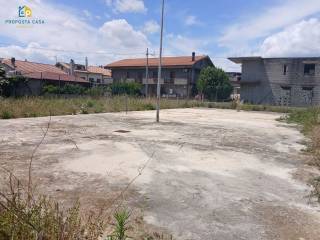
132 89
73 89
6 115
149 106
66 89
96 91
51 89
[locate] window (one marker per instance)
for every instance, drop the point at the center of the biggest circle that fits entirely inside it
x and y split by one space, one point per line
172 75
98 80
309 69
285 87
285 69
307 88
128 75
155 74
140 77
91 80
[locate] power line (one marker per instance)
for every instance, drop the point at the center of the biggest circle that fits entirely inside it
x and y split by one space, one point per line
82 52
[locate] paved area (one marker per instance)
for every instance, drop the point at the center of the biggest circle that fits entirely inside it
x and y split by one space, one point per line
207 174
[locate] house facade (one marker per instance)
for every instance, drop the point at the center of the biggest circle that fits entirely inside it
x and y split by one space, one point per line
96 75
178 76
235 78
36 76
280 81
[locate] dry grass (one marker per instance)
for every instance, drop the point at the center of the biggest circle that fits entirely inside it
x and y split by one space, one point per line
309 119
42 106
38 106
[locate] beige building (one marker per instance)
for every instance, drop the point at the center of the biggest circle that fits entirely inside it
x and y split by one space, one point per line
96 75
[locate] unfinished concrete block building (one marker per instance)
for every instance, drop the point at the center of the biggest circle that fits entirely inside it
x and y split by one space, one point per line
280 81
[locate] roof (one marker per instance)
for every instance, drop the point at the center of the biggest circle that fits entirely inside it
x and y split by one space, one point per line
241 59
100 70
41 71
91 69
154 62
257 58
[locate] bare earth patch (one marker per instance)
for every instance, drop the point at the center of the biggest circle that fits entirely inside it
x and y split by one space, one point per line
213 174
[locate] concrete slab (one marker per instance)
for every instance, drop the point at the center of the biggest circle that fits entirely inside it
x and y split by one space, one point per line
211 174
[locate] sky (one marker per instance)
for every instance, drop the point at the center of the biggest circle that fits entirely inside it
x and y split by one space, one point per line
108 30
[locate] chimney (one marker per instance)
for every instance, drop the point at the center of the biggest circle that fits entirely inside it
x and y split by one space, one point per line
13 62
71 67
193 56
86 63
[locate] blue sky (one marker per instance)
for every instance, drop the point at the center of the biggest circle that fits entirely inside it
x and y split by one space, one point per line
107 30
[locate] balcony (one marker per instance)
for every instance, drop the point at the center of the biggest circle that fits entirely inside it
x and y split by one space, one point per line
152 81
180 81
175 81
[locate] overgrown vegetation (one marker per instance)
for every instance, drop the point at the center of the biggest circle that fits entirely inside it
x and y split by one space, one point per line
8 85
214 84
131 89
41 106
309 119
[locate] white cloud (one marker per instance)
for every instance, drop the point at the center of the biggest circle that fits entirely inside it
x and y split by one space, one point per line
66 31
120 35
123 6
301 39
87 13
151 27
191 20
269 20
182 45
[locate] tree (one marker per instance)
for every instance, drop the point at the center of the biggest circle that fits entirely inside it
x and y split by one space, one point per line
9 85
3 80
214 84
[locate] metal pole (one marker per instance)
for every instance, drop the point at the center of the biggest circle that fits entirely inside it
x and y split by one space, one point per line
147 73
160 63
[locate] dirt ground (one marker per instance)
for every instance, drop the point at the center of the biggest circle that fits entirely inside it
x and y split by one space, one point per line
206 174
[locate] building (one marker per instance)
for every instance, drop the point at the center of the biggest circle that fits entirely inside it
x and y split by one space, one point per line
94 74
280 81
37 75
235 78
178 79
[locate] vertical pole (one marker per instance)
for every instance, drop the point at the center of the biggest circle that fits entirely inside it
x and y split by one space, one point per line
147 73
160 63
126 103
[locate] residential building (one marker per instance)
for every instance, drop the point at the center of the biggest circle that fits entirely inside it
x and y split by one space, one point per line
235 78
280 81
96 75
178 77
37 75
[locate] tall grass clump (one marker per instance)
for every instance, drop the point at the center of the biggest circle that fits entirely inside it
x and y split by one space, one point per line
309 119
40 217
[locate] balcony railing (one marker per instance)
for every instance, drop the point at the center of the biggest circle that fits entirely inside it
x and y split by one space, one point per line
175 81
153 81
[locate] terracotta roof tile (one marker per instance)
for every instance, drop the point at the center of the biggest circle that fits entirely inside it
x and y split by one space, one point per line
153 62
100 70
42 71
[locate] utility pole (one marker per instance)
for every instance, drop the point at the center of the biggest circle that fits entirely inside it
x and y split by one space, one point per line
160 65
147 73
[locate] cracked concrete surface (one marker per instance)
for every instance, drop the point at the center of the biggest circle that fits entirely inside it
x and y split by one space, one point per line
214 174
